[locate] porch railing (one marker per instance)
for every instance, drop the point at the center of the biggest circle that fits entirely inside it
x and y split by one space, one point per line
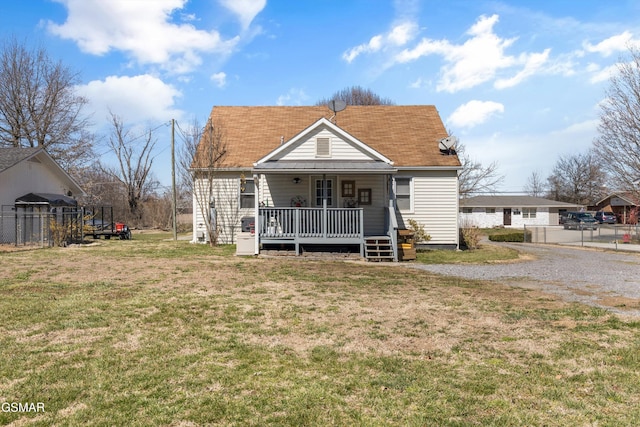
293 223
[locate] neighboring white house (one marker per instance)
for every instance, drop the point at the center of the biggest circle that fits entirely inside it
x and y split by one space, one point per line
30 179
303 176
512 211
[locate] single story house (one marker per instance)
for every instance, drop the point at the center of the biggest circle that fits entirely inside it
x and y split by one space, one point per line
622 204
302 177
512 211
31 181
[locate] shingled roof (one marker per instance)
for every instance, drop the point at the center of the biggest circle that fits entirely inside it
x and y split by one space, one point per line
513 201
12 156
408 135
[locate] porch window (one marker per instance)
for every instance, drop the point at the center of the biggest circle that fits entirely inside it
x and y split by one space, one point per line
319 192
247 193
528 212
403 194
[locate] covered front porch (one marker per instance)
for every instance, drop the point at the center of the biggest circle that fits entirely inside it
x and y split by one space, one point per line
333 211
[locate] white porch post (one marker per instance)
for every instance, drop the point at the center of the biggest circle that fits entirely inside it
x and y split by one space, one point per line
324 205
256 213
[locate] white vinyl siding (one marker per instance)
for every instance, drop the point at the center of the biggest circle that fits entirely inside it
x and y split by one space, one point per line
307 149
435 205
30 176
375 212
226 198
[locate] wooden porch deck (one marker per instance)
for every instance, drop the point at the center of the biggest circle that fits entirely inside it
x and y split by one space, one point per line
333 226
317 226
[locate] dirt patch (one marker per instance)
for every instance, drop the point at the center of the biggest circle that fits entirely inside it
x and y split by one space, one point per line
621 303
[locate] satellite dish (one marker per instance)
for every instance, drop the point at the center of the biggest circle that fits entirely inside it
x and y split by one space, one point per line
337 105
447 143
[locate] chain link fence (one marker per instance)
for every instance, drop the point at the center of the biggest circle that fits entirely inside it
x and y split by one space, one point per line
40 229
619 236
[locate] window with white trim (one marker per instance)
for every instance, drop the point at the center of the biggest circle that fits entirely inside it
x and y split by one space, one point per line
529 213
403 194
489 210
247 193
319 193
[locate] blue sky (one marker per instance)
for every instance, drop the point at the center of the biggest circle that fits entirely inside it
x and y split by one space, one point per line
519 82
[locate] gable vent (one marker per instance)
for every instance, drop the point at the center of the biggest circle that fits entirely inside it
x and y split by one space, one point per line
323 147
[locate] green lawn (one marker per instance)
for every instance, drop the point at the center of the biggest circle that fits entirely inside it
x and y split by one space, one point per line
156 332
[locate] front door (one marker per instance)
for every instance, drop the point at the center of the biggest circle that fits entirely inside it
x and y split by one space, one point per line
506 216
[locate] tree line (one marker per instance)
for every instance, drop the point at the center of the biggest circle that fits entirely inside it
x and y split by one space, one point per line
612 161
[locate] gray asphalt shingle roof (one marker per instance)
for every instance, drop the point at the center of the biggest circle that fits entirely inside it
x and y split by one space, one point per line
512 201
12 156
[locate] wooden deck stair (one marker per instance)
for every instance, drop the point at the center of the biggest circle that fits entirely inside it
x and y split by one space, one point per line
378 248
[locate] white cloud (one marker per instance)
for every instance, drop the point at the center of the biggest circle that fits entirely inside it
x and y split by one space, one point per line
399 35
142 29
474 113
602 75
532 64
467 65
480 59
611 45
136 99
293 97
220 79
416 84
246 10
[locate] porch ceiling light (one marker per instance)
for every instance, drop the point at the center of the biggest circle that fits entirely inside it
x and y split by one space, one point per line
296 180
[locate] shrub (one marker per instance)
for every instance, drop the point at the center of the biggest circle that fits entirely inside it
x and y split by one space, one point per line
515 236
419 234
470 235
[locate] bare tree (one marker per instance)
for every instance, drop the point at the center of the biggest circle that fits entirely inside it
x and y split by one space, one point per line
134 164
474 176
618 143
103 189
577 178
39 106
200 158
535 185
357 95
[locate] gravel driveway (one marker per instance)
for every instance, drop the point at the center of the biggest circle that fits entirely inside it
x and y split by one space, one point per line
604 279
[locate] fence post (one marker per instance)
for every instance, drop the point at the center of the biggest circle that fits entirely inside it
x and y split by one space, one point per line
524 236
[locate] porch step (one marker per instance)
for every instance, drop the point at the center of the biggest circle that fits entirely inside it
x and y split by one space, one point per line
378 248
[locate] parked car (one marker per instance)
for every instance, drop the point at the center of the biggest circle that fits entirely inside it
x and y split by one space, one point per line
580 221
604 217
563 217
